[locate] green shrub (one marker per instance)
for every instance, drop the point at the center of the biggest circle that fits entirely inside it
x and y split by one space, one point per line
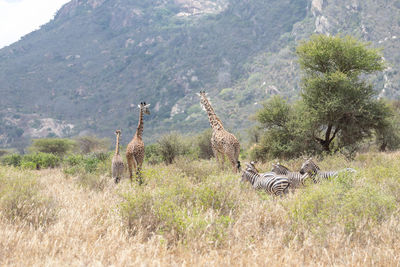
40 160
11 160
152 154
21 199
343 202
56 146
74 159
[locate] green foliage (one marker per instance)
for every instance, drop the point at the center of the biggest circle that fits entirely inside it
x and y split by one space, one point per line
152 154
57 146
285 131
94 163
32 161
40 160
21 199
11 160
342 202
341 104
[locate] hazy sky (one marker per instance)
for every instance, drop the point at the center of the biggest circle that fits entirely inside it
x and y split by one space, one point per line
20 17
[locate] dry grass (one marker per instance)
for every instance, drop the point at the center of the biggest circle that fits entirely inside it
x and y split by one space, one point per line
90 231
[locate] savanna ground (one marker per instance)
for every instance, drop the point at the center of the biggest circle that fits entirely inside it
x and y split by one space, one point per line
192 213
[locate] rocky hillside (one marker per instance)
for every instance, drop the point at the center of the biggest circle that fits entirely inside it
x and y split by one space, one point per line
87 69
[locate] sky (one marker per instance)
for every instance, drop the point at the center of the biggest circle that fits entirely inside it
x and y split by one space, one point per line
20 17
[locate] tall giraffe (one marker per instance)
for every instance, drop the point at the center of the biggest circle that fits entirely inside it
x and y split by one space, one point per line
135 149
117 164
222 142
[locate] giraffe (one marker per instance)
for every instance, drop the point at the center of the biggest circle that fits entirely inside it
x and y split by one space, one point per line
117 164
135 149
222 142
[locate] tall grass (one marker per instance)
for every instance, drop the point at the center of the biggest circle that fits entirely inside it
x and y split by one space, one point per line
193 213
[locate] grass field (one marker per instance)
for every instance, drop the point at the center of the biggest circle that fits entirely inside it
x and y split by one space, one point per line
192 213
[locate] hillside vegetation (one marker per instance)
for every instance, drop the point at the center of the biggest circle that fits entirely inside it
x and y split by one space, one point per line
191 212
98 59
86 70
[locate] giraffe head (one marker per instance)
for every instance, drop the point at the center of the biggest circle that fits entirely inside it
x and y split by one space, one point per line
118 132
144 108
203 98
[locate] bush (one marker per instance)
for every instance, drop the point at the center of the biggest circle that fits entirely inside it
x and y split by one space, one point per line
341 202
11 160
40 160
204 144
152 154
92 163
21 200
170 146
56 146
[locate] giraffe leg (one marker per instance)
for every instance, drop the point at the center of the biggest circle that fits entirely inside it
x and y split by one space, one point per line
130 165
134 165
216 154
234 164
139 173
222 156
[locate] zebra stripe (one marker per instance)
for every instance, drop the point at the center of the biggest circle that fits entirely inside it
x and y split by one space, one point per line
296 179
310 167
269 182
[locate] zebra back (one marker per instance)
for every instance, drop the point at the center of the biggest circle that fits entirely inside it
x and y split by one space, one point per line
270 182
280 169
310 167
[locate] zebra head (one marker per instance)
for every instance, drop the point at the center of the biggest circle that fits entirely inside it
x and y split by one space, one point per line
309 167
280 169
249 172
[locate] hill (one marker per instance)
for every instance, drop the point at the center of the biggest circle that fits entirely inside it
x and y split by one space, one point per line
85 71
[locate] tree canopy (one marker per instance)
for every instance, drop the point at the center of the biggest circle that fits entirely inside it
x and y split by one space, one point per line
335 91
338 108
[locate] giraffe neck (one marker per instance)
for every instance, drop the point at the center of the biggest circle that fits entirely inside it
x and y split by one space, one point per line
139 130
215 122
117 146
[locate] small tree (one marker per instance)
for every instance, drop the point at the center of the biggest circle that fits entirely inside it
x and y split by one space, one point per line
56 146
342 105
286 130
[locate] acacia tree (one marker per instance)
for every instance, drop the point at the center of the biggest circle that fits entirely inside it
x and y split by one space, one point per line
339 99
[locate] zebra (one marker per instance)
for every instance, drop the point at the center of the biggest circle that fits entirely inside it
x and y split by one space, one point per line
270 182
314 171
296 179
